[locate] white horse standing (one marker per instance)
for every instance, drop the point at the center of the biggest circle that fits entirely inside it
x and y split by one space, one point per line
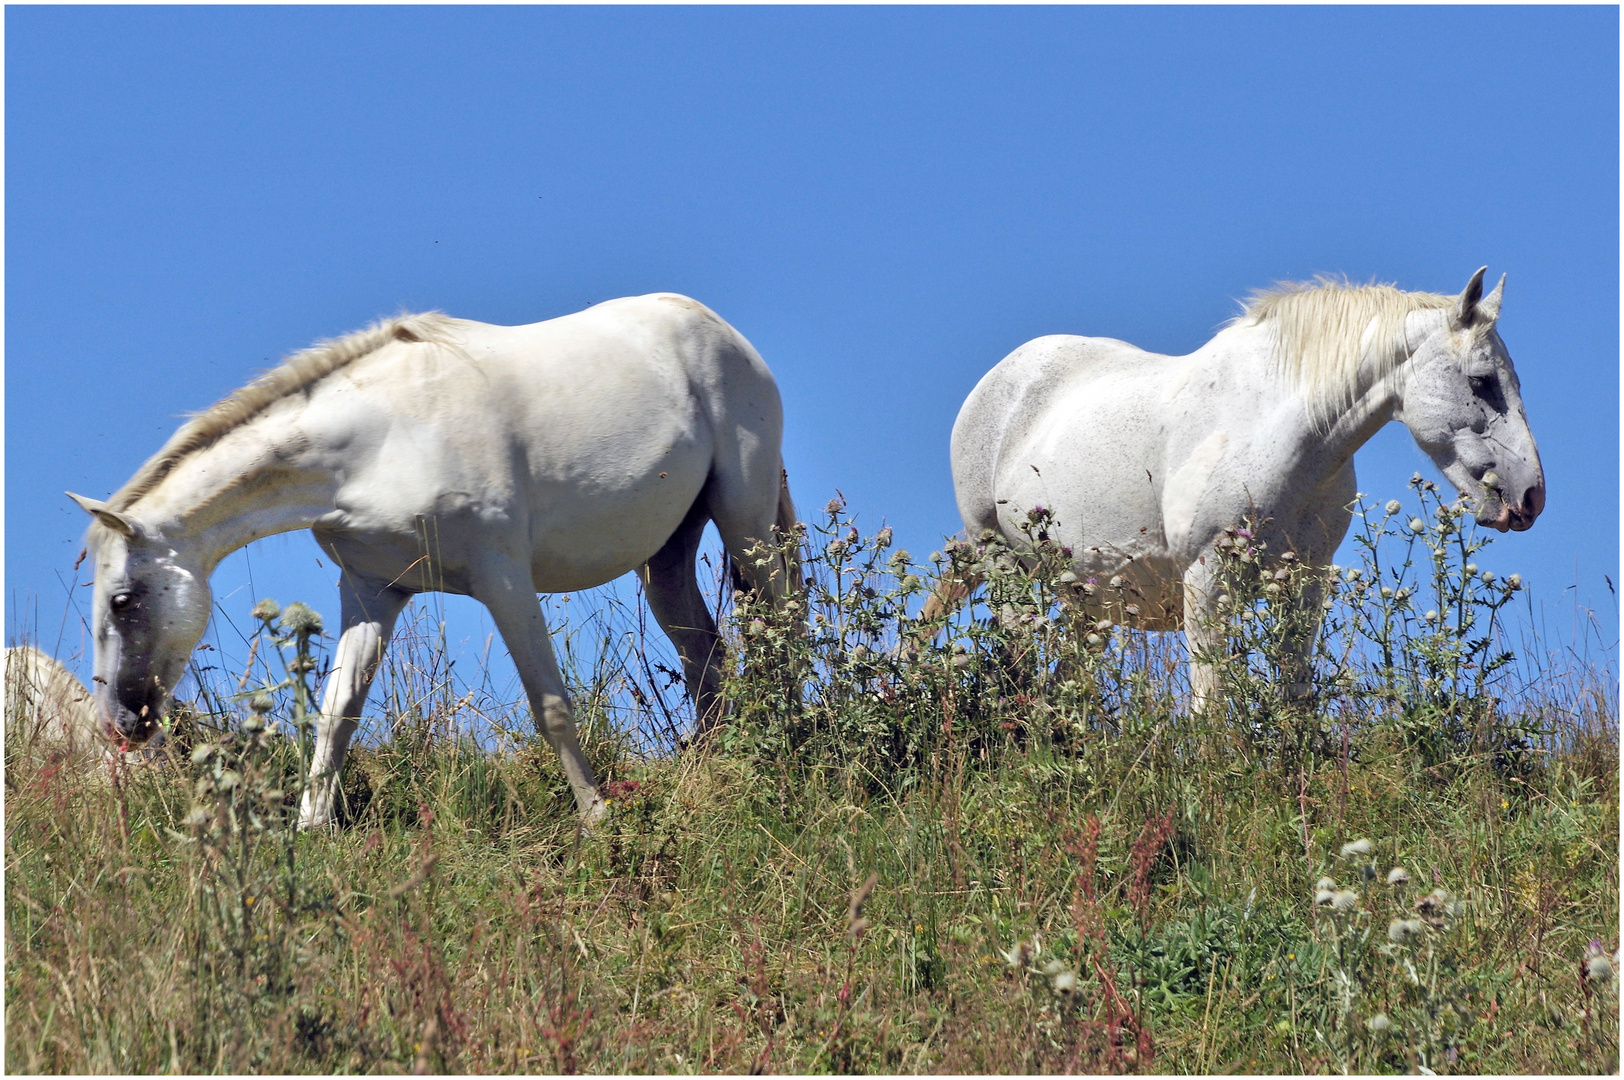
436 454
1145 459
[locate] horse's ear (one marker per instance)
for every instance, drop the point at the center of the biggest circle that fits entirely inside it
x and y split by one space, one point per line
1466 313
112 519
1489 306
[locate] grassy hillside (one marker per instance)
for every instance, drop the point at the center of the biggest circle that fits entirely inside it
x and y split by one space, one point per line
1004 847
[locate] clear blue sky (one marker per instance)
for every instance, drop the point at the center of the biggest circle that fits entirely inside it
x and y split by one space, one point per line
885 201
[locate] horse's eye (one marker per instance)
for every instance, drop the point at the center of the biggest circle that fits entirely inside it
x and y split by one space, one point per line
119 601
1486 388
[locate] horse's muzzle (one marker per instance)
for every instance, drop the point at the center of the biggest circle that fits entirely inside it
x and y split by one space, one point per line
1520 518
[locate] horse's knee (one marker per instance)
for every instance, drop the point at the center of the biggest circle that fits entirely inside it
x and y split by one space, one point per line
557 720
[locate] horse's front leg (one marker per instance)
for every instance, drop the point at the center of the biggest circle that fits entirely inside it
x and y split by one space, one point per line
505 587
1205 631
368 616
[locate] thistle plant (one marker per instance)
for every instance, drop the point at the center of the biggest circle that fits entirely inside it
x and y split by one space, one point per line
1429 618
243 821
1391 986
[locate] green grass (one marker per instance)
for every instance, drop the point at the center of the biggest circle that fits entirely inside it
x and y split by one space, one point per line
1005 782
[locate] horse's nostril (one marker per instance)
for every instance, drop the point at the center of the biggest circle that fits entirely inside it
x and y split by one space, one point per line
1534 500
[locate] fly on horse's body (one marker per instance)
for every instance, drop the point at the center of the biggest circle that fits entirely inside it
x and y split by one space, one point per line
1144 459
428 453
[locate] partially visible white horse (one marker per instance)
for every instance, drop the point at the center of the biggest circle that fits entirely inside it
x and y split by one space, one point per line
436 454
1145 459
51 714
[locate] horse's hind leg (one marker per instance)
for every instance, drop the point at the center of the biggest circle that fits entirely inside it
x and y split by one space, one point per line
674 597
505 587
368 616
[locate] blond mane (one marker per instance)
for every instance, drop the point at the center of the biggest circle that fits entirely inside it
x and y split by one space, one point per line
297 372
1325 329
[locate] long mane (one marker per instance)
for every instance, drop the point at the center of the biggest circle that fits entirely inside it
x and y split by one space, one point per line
1325 330
296 373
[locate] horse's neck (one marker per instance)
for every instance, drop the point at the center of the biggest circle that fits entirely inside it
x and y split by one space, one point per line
248 485
1245 352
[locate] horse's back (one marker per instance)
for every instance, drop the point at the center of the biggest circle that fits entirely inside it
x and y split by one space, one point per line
51 714
1018 396
585 438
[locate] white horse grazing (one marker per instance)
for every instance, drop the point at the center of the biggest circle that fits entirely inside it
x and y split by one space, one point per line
1145 459
428 453
51 714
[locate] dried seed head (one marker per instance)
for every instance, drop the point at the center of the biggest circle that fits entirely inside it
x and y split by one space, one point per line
267 610
1394 506
1064 983
1417 526
1514 581
1398 877
1344 900
203 753
1379 1024
1355 849
856 924
262 703
1117 581
882 539
1324 884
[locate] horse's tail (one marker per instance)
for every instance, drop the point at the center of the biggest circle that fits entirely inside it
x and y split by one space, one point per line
949 593
788 569
785 525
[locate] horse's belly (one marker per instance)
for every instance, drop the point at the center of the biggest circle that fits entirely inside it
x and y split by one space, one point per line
590 532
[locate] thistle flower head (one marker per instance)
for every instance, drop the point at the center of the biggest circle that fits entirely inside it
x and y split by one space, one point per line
1344 900
1403 931
1021 954
300 619
1379 1024
1394 506
1355 849
267 610
1597 964
1398 877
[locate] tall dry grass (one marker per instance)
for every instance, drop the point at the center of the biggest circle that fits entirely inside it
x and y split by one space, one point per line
1005 846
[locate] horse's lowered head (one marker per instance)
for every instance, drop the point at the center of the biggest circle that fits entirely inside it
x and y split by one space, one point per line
1461 401
149 611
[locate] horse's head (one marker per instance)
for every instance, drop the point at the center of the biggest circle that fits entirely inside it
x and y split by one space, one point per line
1461 401
149 610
